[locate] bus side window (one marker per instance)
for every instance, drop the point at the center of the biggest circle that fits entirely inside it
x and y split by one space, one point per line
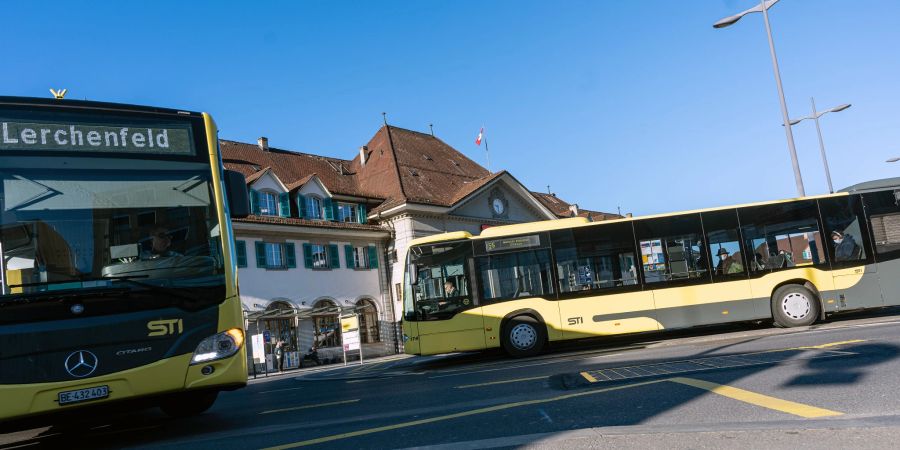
782 235
844 230
595 258
723 243
514 275
671 249
883 209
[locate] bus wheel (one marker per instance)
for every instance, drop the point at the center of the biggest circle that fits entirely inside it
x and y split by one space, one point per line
523 336
188 403
794 306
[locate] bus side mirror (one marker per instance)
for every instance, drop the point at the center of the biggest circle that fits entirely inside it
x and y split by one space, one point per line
413 272
236 192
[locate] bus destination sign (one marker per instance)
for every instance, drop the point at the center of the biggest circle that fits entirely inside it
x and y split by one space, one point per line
95 138
515 243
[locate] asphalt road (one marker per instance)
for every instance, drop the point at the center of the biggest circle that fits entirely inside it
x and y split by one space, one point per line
833 385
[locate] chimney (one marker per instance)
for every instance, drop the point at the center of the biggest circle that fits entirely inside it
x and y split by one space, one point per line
263 143
574 209
362 155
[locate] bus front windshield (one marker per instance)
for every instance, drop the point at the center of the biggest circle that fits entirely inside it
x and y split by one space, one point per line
70 224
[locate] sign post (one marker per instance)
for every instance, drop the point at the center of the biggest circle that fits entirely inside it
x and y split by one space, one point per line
350 336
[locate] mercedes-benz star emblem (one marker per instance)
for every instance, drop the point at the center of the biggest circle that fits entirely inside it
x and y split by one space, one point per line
81 363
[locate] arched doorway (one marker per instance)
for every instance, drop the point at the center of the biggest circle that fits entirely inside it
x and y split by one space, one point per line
326 324
368 321
280 321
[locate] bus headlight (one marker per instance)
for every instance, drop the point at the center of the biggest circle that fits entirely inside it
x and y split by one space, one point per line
218 346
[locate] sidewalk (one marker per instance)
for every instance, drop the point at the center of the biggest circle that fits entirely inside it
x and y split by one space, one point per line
369 365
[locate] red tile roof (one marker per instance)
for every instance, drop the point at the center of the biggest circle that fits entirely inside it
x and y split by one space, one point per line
401 166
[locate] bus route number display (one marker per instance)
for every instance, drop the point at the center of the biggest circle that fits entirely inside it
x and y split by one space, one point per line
81 137
515 243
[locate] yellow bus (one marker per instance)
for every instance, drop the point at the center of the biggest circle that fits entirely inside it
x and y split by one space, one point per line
117 259
520 287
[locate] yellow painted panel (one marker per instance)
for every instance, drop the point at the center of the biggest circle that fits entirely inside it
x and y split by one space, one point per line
702 294
847 278
464 331
577 314
411 331
163 376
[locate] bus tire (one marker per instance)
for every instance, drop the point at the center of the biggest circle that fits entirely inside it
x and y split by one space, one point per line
794 306
523 336
188 404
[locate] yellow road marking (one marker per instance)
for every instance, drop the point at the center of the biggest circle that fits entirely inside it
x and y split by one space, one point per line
797 409
310 406
834 344
588 377
472 412
516 380
815 347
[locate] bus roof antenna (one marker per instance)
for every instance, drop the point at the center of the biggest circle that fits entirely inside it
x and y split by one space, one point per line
59 94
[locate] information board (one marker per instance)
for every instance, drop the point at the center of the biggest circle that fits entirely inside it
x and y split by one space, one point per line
259 349
351 340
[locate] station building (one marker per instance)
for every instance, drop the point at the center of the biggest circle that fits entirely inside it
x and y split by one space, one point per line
328 236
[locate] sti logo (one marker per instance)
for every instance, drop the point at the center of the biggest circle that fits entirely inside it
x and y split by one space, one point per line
165 327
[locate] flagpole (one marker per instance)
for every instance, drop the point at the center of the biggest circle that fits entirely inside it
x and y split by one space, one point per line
486 151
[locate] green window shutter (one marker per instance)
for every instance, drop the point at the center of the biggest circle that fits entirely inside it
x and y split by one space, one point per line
328 207
254 202
290 255
373 257
301 206
333 253
284 204
348 256
241 250
361 212
260 254
307 256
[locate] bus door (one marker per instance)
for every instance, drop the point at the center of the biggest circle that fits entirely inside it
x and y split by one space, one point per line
447 315
849 243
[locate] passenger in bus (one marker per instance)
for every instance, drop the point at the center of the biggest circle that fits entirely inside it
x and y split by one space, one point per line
845 247
721 267
160 244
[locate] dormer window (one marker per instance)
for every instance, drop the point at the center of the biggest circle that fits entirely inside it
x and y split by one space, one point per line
347 213
268 204
313 207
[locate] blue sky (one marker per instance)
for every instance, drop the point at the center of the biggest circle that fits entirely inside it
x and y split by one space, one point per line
638 104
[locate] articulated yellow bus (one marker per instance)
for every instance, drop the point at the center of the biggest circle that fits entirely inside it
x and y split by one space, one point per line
521 286
118 279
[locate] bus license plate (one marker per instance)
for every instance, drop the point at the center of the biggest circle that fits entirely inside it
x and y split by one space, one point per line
82 395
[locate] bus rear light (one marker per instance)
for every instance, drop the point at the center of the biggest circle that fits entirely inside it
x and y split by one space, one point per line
218 346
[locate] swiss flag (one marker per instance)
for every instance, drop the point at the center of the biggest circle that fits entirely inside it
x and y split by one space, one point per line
480 135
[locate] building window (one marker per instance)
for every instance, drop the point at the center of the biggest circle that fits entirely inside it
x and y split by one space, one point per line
241 250
268 204
313 207
275 255
361 257
319 256
347 213
360 260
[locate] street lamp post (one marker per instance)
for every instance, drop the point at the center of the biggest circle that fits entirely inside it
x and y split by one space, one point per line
815 116
763 7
